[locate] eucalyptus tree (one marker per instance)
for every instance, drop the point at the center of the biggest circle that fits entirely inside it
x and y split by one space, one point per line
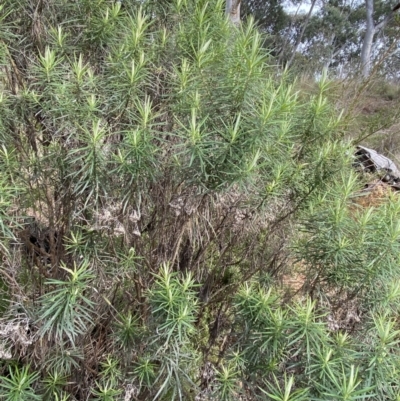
331 38
350 35
232 10
270 16
273 20
378 15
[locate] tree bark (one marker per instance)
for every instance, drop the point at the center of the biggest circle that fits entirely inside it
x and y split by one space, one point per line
370 32
368 39
232 9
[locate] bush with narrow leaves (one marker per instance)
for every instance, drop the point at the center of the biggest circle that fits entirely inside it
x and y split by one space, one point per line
160 178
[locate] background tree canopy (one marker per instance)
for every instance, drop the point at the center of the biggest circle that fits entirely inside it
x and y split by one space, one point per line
332 35
179 218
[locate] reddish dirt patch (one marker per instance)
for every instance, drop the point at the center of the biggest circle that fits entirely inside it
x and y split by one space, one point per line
374 195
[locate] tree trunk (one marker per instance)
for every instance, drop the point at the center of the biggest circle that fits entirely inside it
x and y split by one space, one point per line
370 31
368 40
232 9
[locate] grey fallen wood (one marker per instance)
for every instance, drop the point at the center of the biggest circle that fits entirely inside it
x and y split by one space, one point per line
372 161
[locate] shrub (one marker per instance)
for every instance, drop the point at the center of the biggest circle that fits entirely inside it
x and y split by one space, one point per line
159 176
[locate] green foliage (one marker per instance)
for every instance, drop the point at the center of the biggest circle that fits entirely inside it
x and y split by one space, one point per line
352 248
227 381
127 329
110 374
18 386
65 311
174 305
174 308
53 385
323 364
286 394
159 180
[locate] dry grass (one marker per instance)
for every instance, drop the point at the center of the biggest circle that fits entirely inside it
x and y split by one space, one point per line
294 281
376 193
